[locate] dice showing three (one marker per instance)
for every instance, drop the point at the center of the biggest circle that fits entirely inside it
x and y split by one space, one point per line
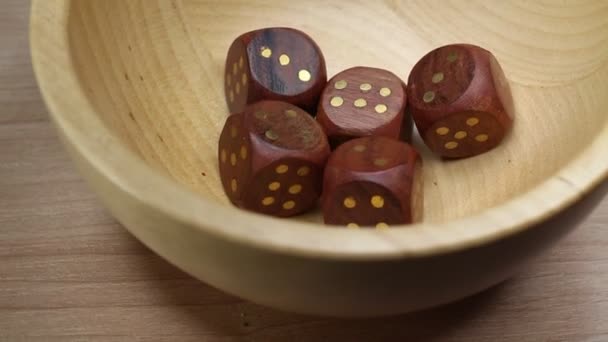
274 64
460 100
364 101
271 159
373 182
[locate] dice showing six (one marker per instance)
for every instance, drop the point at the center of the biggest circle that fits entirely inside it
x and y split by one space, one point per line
274 64
460 100
271 159
373 181
361 102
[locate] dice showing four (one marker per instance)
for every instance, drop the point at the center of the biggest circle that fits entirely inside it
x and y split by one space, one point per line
460 100
271 159
274 157
373 181
274 64
361 102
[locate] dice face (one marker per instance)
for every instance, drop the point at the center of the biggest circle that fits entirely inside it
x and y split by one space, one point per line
373 182
284 188
274 64
237 84
362 102
271 159
284 126
352 203
465 132
234 158
446 75
460 101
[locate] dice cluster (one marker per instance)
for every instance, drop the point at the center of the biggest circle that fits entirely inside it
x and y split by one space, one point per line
294 137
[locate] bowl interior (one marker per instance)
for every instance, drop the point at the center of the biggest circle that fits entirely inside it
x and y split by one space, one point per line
154 73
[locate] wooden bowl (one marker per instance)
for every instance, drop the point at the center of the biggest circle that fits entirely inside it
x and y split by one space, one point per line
135 90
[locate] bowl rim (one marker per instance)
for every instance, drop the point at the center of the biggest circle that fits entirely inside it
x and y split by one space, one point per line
74 117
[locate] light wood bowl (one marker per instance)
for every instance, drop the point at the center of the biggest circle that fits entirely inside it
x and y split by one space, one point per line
135 90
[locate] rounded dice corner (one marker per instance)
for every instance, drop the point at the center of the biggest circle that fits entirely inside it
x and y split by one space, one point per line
282 64
460 101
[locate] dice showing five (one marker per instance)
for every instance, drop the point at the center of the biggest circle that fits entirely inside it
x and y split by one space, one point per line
361 102
271 159
274 64
460 100
373 181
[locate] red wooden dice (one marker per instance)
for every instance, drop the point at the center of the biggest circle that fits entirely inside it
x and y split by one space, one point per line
460 100
274 64
271 159
373 181
361 102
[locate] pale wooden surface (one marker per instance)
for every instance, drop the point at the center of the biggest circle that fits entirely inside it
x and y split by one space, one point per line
144 80
69 272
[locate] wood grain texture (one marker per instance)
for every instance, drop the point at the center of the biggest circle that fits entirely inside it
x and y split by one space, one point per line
268 149
272 60
371 181
460 100
135 91
69 272
363 101
158 89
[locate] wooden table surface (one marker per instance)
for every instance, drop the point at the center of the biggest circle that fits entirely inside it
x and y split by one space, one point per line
70 272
